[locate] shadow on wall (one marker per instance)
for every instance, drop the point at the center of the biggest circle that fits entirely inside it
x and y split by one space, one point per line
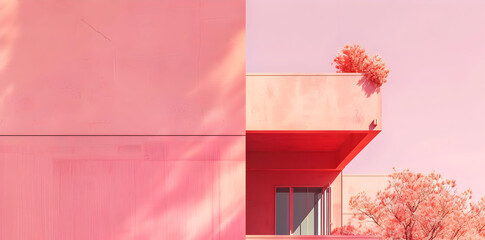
137 68
102 187
368 87
8 36
132 68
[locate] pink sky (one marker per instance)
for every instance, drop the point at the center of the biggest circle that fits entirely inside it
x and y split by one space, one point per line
434 102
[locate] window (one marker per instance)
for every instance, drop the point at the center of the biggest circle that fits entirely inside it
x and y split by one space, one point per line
302 211
282 211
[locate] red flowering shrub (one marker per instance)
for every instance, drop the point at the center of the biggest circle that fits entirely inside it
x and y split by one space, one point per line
349 229
354 59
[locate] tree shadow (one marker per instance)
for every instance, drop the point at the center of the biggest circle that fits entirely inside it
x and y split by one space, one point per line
368 87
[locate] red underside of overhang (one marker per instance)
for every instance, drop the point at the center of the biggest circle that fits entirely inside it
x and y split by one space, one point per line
343 146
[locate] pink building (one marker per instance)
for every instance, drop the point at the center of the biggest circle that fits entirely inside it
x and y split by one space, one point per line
136 120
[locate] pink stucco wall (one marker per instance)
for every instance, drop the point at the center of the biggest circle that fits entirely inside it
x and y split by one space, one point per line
433 116
352 185
130 67
98 73
122 187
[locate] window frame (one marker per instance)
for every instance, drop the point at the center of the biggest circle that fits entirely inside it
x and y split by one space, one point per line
325 221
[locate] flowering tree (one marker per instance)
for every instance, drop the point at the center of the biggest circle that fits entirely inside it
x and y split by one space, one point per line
417 206
479 220
354 59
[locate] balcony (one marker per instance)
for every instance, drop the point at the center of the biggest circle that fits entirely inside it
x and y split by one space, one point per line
324 102
332 115
293 237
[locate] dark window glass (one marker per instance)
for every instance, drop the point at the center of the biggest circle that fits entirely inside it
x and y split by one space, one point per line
282 211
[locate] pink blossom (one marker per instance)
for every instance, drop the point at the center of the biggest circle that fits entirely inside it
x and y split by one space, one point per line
418 206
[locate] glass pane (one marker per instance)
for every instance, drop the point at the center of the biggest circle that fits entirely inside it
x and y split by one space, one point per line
307 211
282 211
316 202
327 195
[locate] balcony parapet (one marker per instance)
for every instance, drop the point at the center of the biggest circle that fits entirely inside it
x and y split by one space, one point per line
320 102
